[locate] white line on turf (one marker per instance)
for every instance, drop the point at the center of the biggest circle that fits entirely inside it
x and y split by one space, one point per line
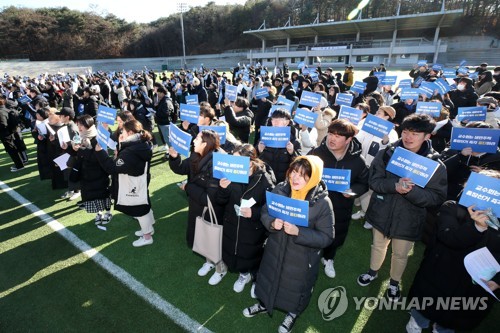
179 317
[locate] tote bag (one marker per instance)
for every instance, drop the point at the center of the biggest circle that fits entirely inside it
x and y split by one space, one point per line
133 190
208 235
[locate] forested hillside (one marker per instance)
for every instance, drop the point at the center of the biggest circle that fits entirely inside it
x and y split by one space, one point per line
61 33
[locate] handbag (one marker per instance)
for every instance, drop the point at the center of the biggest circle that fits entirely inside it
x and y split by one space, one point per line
208 235
133 190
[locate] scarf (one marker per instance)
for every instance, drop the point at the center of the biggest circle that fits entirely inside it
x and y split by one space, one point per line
88 135
316 174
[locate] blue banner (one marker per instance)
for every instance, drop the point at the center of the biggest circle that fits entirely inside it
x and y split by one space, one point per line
231 93
190 113
220 130
287 209
179 140
344 99
305 117
406 83
24 99
261 93
106 115
337 180
309 98
407 164
472 113
388 80
358 87
433 109
427 88
449 73
483 192
481 140
275 137
234 168
102 136
410 93
442 86
377 126
379 75
351 114
192 99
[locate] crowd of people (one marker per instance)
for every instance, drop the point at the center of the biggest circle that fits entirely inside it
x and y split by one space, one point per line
278 259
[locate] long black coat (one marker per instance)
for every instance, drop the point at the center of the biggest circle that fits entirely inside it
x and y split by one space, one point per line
289 267
442 272
239 123
54 150
243 238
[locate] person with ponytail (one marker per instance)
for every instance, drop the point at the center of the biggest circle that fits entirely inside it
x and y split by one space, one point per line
131 166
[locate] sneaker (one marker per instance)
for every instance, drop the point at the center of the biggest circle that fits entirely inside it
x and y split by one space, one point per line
75 196
367 226
254 310
163 148
287 324
252 291
142 242
243 279
139 233
412 326
98 218
329 269
216 278
365 279
358 215
14 169
67 194
393 293
207 267
106 218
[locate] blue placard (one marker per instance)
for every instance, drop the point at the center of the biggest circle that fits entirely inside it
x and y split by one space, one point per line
379 75
301 65
427 88
220 130
433 109
344 99
473 113
388 80
437 67
102 136
234 168
295 85
305 71
449 73
314 77
231 93
442 86
309 98
406 83
133 88
358 87
481 140
463 70
337 180
418 81
261 93
462 63
483 192
422 63
284 101
281 106
24 99
474 75
407 164
289 210
275 137
305 117
409 93
190 113
106 115
179 140
192 99
377 126
351 114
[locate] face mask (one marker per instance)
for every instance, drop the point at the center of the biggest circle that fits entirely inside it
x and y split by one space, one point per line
461 87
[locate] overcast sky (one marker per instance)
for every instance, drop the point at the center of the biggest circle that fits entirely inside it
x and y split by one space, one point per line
139 11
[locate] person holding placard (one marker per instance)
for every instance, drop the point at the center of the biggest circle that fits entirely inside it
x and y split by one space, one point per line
341 150
231 142
200 185
463 96
398 207
403 109
7 136
239 117
324 119
485 83
67 115
90 101
44 164
289 267
199 90
55 149
442 133
164 110
244 234
262 112
131 195
348 77
442 274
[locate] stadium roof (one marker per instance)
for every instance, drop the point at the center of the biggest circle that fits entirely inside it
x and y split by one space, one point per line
382 24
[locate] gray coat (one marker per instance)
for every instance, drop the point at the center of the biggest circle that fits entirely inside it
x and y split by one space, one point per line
289 267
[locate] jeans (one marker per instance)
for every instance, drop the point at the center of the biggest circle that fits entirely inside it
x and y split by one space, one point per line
424 323
164 129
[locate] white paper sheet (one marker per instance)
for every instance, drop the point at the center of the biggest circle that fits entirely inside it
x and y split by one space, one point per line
50 129
111 144
63 135
247 203
62 161
440 124
481 264
40 126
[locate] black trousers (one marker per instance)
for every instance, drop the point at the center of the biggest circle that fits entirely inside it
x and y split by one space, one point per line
11 149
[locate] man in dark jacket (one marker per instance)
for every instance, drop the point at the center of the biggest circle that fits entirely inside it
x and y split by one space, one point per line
163 112
7 135
398 207
341 150
239 117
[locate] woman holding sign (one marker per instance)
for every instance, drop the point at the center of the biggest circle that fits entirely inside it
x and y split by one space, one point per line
289 267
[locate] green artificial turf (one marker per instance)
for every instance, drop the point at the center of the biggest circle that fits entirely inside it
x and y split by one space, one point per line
47 286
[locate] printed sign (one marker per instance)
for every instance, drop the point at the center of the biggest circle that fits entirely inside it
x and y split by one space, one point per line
289 210
358 87
449 73
24 99
351 114
483 192
377 126
284 101
220 130
410 93
427 88
422 63
481 140
179 140
388 80
379 75
305 117
234 168
344 99
261 93
442 86
309 98
106 115
433 109
275 137
192 99
472 113
102 136
406 83
190 113
407 164
231 93
337 180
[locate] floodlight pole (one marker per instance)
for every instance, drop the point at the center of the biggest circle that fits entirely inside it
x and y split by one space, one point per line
182 7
